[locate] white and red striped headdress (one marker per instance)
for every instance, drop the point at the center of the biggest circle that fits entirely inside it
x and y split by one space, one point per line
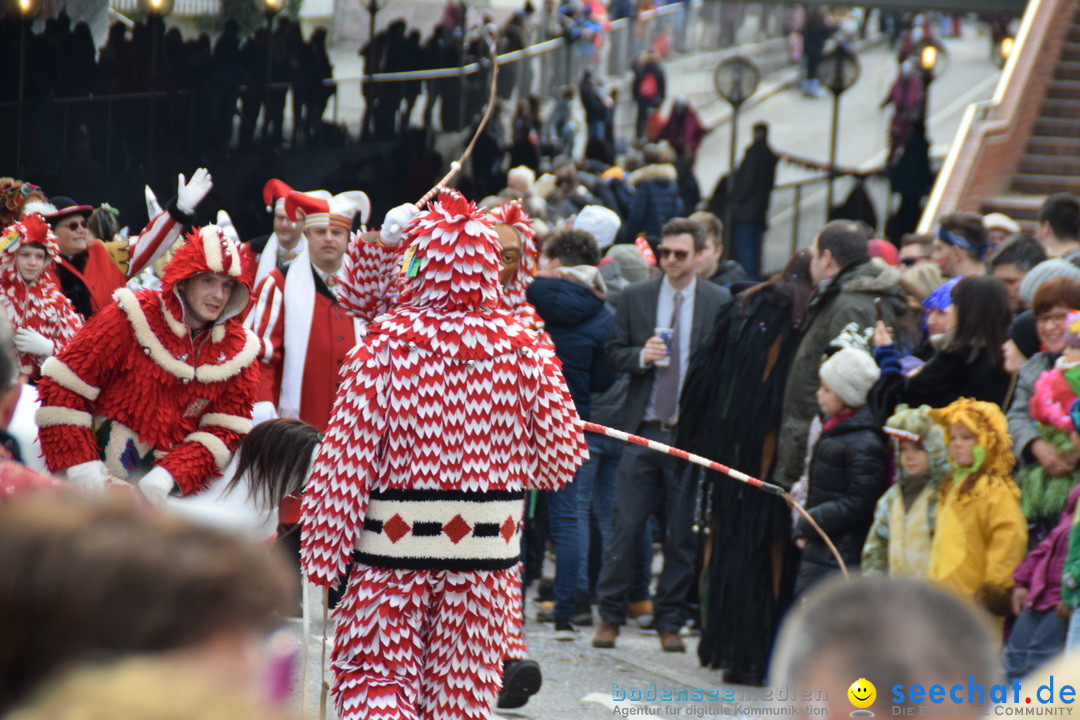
321 209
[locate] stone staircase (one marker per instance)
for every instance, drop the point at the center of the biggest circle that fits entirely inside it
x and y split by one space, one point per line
1051 158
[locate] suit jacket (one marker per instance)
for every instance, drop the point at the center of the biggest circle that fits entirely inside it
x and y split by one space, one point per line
635 320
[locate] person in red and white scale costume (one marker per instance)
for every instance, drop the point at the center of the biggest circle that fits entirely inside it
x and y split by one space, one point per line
42 317
160 384
305 331
83 268
447 414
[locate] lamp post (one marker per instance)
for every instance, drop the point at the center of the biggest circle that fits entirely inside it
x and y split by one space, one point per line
840 70
269 9
27 11
932 61
155 12
736 79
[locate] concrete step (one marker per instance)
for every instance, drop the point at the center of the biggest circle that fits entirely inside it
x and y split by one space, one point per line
1057 127
1061 108
1067 165
1033 184
1067 70
1024 209
1054 146
1070 51
1063 89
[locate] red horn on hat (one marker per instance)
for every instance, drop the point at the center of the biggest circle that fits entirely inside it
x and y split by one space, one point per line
298 201
273 190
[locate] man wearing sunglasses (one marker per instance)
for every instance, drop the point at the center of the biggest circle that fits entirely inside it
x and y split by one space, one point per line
657 366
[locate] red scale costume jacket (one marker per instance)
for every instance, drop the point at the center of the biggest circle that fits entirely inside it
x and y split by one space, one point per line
449 411
39 305
135 389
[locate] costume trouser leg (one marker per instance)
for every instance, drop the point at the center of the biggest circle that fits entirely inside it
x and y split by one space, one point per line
515 633
420 644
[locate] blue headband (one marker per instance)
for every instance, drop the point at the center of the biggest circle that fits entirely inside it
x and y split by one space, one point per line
941 298
952 238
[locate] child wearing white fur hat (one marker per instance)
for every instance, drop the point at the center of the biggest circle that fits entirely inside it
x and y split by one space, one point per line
849 468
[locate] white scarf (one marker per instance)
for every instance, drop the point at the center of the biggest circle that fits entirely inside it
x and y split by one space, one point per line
268 258
298 302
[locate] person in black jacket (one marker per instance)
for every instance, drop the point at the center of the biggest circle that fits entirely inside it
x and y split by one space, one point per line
849 468
749 201
969 363
569 297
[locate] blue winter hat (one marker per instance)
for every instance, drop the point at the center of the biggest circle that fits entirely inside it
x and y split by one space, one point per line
941 298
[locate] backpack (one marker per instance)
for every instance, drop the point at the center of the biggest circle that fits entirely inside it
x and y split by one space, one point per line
648 87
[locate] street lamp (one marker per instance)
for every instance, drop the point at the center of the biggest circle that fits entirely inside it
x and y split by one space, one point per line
736 79
269 9
840 70
155 12
26 11
932 62
1005 49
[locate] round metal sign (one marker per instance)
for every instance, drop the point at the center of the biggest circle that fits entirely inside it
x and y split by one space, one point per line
838 70
736 79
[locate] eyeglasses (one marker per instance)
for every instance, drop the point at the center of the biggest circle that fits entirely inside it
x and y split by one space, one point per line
679 255
1052 318
75 224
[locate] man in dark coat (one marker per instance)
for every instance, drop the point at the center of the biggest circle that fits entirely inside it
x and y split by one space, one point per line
569 297
750 196
656 195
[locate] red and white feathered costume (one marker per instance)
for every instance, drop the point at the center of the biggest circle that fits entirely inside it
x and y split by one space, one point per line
448 413
135 389
39 305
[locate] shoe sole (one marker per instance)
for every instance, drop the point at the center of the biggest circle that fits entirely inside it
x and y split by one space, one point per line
520 685
566 635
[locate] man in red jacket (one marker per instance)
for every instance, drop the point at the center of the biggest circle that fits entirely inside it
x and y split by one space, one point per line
160 383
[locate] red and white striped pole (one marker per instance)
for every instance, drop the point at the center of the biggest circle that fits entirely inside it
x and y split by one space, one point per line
719 467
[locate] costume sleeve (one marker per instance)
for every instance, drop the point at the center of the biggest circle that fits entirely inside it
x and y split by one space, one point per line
156 238
65 323
205 452
875 552
372 279
1044 406
336 497
1006 534
555 429
70 385
267 321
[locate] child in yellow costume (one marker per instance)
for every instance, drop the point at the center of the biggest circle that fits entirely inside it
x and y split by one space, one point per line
981 532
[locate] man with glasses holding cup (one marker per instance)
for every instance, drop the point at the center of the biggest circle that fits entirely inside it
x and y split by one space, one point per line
682 310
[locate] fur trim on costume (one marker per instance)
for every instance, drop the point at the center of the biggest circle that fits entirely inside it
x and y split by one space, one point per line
49 416
232 367
179 329
209 250
237 424
217 448
66 378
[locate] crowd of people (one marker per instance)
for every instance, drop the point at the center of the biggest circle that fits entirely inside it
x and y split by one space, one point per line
387 400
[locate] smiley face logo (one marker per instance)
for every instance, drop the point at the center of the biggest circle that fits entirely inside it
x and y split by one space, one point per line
862 693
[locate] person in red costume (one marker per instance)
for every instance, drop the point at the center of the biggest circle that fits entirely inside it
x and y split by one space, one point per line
448 412
42 316
305 331
84 270
157 388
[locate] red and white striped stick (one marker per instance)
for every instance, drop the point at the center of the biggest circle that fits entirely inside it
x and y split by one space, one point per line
719 467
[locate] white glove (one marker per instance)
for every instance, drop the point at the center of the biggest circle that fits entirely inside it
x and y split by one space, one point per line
226 224
153 207
91 476
263 411
191 192
156 486
396 221
31 342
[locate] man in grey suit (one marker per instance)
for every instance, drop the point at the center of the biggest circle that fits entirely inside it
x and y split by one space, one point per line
657 363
